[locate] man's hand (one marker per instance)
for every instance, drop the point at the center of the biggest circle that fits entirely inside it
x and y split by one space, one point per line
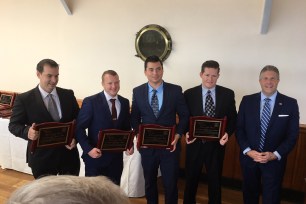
261 157
71 145
129 151
95 153
223 139
187 137
177 137
32 134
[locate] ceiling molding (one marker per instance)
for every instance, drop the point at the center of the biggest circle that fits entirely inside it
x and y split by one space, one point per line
68 10
266 17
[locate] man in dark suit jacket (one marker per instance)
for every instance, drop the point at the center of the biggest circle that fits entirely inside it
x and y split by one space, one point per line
170 102
31 108
209 153
95 115
264 154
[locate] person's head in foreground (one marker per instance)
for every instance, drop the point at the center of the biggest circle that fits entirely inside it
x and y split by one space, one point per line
69 190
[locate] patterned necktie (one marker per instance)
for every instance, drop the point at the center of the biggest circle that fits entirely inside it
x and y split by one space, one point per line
209 105
264 121
154 103
53 109
114 110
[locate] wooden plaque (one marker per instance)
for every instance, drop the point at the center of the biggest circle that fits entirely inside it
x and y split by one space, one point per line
206 128
155 136
115 140
53 134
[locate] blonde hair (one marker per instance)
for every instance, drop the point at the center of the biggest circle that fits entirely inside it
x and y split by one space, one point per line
69 190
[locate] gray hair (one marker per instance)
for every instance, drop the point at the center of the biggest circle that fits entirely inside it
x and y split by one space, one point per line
269 68
69 190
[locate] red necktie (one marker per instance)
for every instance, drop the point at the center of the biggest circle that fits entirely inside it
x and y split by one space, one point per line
114 110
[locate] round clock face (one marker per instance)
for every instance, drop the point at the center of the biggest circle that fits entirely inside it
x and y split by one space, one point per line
153 40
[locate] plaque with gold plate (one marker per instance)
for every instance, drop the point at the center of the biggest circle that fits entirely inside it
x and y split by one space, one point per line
206 128
155 136
115 140
53 134
6 103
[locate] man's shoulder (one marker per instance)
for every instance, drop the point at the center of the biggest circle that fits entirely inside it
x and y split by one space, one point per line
27 94
192 90
63 90
285 97
121 98
93 97
172 86
224 89
140 87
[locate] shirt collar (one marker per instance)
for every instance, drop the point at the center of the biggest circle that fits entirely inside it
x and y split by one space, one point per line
108 97
204 90
273 97
159 89
45 94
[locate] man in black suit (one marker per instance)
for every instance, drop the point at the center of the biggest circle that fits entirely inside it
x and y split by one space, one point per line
209 153
267 130
32 107
170 101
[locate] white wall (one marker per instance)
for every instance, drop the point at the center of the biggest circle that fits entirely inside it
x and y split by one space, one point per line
100 35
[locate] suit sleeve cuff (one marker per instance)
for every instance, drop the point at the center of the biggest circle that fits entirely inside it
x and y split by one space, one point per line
246 150
277 155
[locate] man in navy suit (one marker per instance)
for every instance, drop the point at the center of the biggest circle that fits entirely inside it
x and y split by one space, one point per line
31 108
266 135
209 153
170 102
96 115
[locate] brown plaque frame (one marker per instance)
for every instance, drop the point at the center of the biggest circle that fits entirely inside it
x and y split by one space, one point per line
4 104
212 124
142 134
67 130
104 136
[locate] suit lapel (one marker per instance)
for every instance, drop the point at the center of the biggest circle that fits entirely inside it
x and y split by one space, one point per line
218 99
276 109
104 105
198 101
40 104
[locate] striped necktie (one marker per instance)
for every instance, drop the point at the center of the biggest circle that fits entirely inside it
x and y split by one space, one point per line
264 122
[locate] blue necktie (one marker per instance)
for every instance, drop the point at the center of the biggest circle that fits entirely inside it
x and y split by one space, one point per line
264 122
209 105
154 103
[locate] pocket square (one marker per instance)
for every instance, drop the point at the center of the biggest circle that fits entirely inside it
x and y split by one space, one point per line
283 115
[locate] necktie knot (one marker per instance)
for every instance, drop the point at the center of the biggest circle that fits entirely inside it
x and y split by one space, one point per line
114 110
267 100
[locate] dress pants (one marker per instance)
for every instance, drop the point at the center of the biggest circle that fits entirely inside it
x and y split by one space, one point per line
211 155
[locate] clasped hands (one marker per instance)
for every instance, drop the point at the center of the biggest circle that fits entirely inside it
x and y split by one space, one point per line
261 157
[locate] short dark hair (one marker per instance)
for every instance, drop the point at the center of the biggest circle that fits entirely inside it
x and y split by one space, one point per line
152 58
110 72
42 63
210 64
269 68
